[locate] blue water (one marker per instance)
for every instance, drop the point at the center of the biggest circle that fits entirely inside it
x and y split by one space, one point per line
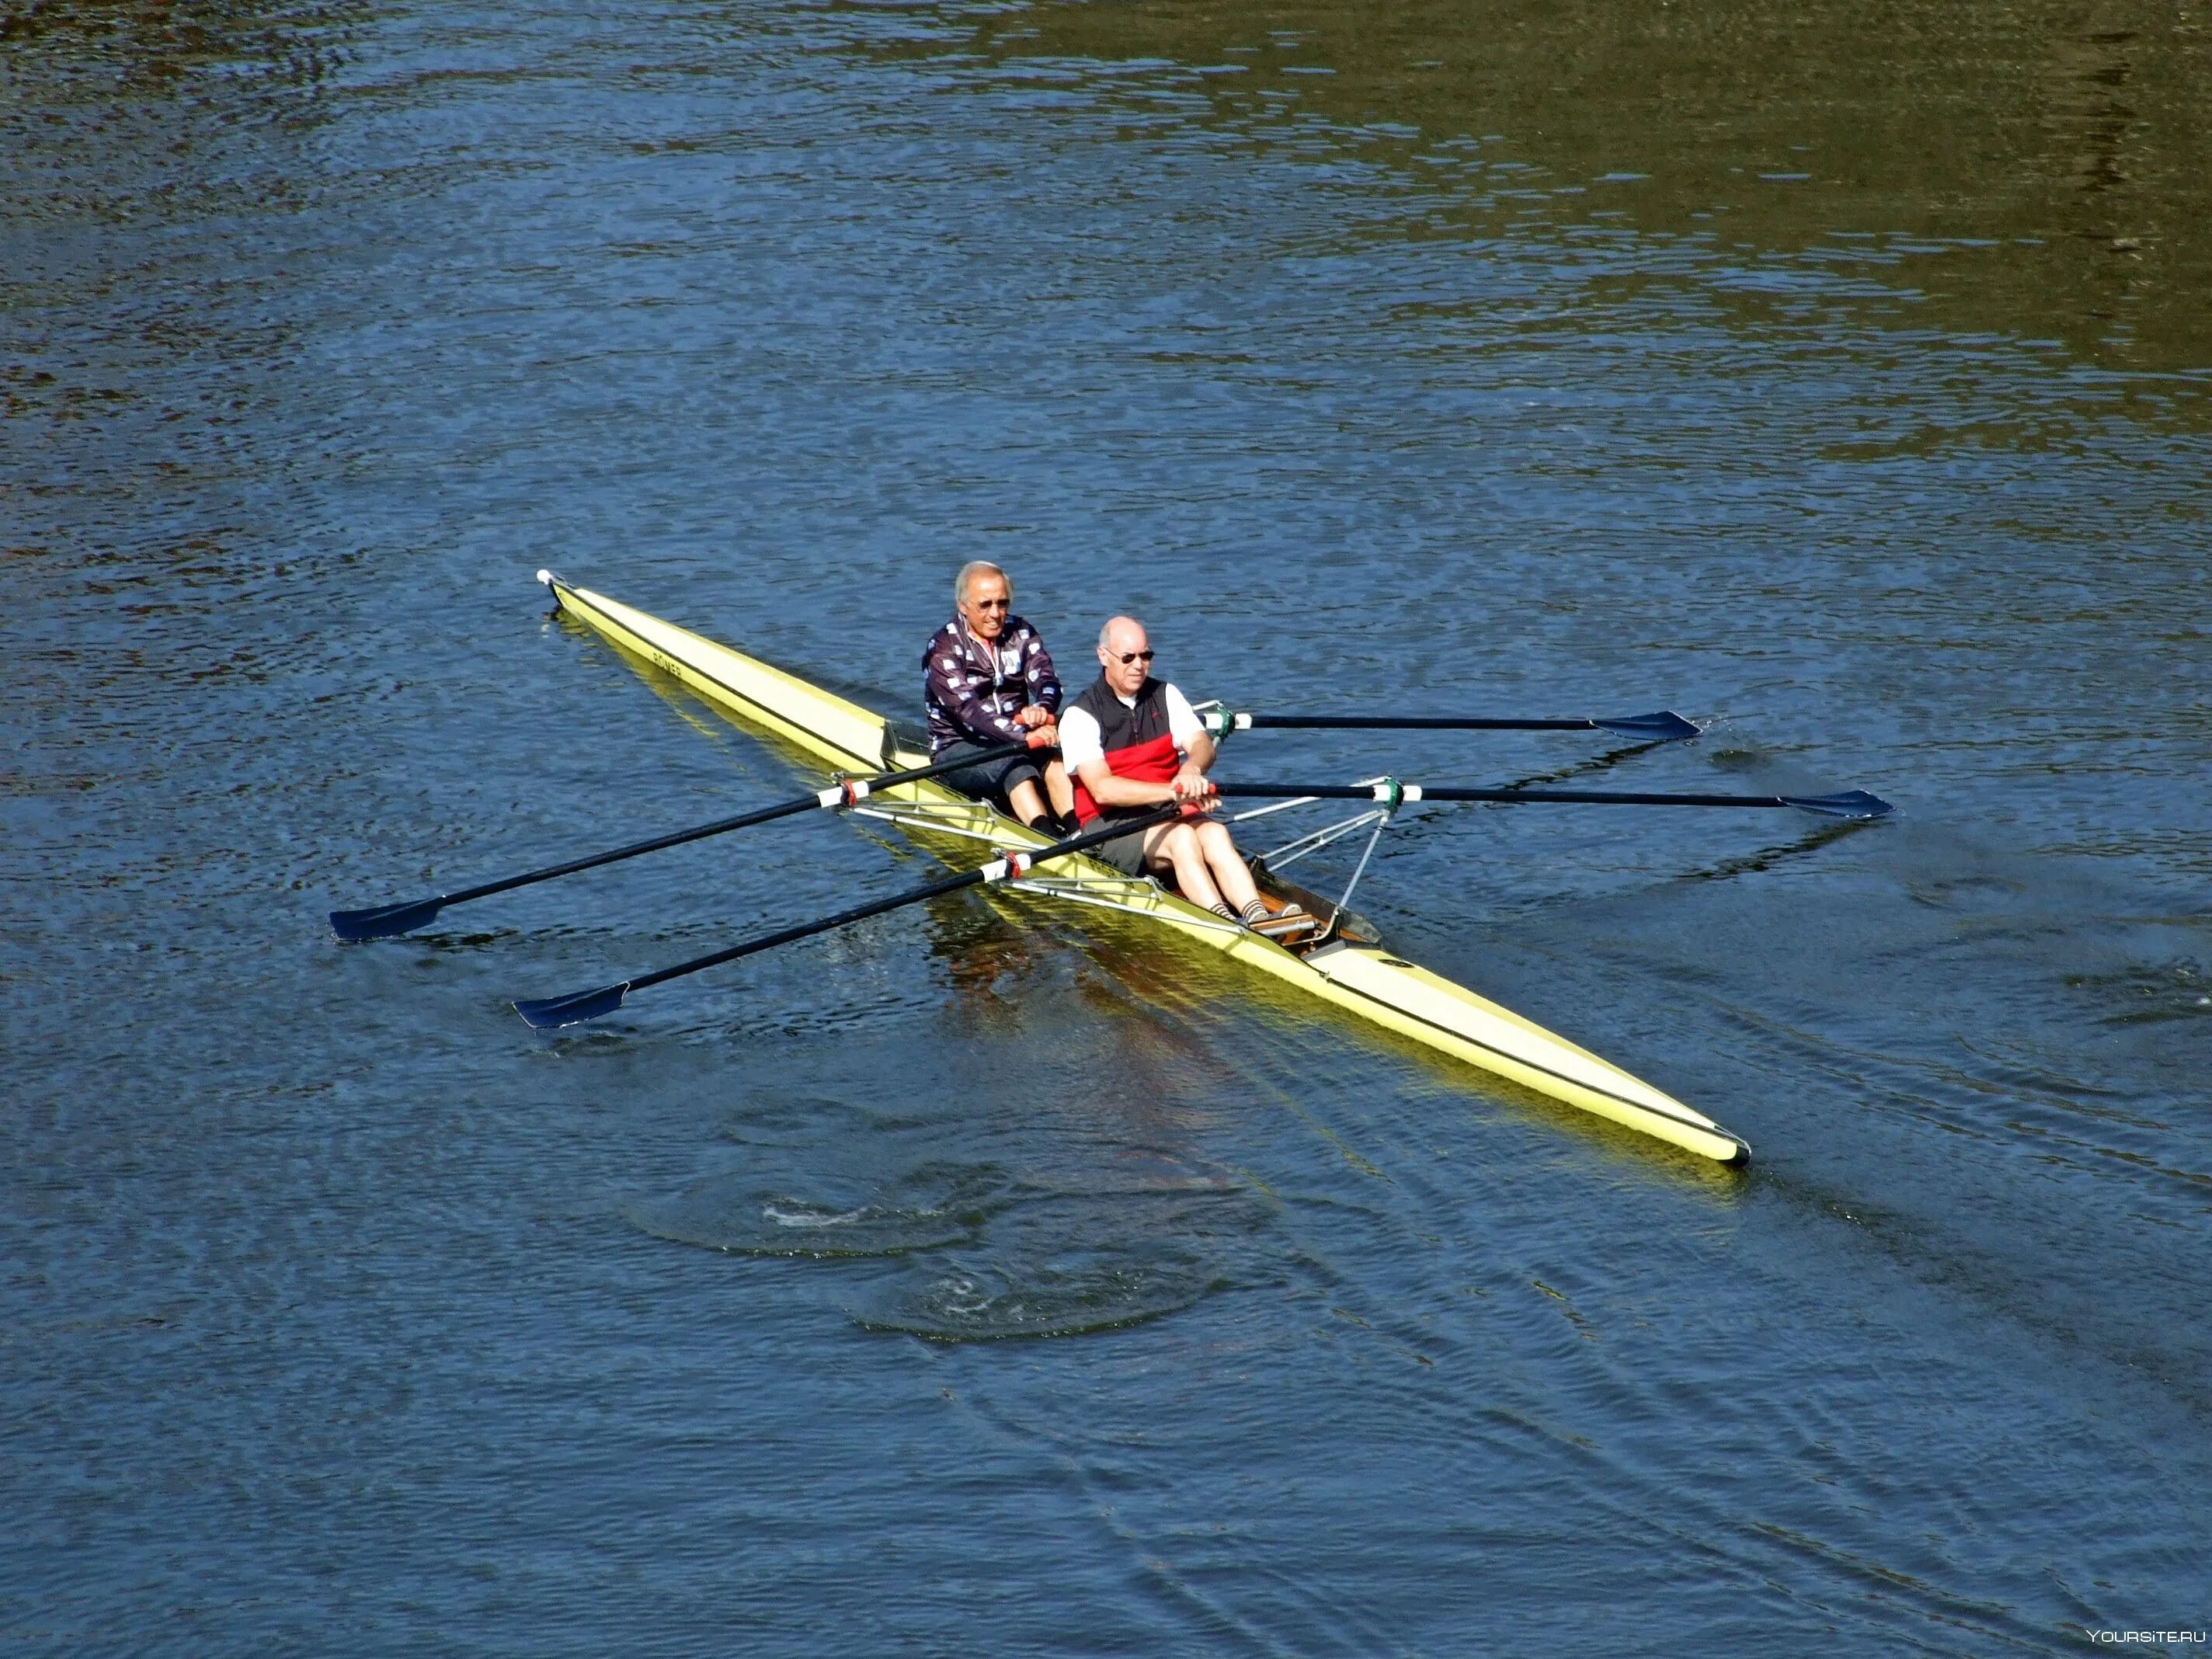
999 1280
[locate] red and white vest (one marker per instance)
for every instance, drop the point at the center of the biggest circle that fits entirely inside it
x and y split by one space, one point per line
1137 742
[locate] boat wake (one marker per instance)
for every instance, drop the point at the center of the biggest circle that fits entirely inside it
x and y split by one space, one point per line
928 1209
1067 1294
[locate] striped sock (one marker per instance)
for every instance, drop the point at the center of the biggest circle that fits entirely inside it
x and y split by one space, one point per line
1254 912
1222 909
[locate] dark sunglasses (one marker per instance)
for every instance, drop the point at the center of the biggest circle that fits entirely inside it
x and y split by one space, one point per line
1129 657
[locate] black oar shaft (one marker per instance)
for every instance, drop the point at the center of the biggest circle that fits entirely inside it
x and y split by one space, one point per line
1663 726
1598 797
1436 792
677 838
808 929
1850 804
1407 723
381 921
552 1012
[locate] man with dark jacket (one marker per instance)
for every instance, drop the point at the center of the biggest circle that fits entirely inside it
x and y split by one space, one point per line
988 681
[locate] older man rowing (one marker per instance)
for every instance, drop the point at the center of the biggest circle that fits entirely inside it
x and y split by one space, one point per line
988 681
1133 742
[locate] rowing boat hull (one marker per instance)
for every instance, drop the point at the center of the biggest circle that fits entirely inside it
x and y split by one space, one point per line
1354 974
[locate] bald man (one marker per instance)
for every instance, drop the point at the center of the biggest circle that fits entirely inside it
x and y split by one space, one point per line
1131 742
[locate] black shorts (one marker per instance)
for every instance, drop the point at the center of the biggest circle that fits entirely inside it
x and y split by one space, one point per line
989 780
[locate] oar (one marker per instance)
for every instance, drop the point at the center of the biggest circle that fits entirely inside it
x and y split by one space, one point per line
383 921
551 1012
1850 804
1663 725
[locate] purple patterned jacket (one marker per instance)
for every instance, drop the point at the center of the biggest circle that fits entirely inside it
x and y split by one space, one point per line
974 699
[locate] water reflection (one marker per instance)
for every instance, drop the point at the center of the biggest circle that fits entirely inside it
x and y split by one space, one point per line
155 48
2006 169
1482 356
986 959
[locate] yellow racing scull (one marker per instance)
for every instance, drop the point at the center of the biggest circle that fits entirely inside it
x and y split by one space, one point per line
1346 964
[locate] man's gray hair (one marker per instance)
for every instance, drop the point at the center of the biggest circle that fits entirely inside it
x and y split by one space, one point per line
972 569
1106 632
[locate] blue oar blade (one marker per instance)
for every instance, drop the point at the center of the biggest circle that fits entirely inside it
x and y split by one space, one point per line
550 1013
1850 804
1662 726
384 920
